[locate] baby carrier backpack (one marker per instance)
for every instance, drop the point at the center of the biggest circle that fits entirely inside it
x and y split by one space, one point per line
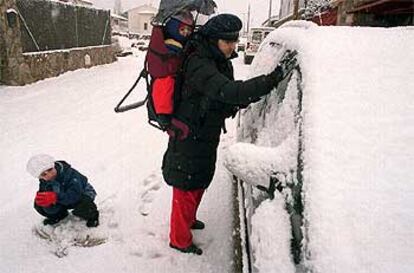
159 63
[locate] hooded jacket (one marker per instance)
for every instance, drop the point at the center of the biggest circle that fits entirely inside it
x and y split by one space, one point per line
69 186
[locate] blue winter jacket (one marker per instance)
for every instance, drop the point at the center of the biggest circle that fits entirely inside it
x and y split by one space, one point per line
69 185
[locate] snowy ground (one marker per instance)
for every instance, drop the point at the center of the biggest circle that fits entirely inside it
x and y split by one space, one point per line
71 117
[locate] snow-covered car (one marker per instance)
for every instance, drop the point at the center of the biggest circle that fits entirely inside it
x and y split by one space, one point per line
122 46
254 39
116 47
326 162
141 45
145 37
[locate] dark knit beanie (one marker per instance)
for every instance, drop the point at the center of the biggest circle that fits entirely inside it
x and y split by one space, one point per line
223 26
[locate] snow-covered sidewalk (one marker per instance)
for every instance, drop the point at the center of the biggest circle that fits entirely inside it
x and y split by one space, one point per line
71 117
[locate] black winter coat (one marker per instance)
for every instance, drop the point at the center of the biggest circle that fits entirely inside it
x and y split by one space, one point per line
209 96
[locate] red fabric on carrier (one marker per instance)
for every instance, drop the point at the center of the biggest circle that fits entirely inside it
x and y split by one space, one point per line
161 63
163 95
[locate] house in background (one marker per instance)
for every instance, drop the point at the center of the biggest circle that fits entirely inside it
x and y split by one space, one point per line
119 23
139 19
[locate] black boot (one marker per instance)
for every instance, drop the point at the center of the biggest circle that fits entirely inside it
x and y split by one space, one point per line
56 219
198 225
50 221
86 209
92 222
192 249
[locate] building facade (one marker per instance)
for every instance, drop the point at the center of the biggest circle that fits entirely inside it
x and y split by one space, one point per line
379 13
139 19
286 7
119 23
375 13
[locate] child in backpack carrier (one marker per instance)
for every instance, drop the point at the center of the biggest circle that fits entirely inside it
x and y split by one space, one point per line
62 188
163 69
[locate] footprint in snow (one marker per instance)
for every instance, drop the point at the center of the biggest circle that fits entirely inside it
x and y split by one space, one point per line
151 184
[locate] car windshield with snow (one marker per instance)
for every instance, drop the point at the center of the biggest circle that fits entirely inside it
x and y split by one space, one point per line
324 164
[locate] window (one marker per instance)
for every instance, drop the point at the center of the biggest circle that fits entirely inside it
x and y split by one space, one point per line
145 26
257 36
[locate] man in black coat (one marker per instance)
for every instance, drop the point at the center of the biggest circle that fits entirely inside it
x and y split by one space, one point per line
209 95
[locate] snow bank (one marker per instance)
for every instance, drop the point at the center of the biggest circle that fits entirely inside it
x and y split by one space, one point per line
271 238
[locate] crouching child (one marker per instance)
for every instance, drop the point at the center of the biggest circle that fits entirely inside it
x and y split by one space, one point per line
62 188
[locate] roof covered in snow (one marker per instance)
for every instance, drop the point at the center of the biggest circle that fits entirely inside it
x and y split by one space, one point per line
144 9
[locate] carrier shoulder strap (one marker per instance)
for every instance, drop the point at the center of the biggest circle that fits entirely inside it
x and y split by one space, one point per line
123 108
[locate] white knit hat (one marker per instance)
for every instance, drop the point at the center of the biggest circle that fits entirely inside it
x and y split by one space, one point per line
39 163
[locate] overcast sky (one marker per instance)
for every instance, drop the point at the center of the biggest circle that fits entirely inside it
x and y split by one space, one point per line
259 8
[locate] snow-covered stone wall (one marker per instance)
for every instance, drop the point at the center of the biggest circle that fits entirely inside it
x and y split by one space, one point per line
38 66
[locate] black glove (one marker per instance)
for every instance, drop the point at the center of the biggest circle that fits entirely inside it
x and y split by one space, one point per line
285 67
164 121
178 129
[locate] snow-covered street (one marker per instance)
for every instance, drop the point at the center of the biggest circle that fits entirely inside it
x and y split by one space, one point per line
71 117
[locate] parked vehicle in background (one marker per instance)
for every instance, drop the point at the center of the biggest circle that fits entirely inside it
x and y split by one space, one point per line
116 46
121 45
133 35
145 37
241 46
254 39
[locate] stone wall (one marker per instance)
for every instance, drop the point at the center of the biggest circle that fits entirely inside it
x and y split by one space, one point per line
2 45
10 43
38 66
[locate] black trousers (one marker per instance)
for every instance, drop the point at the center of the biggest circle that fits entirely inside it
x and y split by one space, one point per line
85 209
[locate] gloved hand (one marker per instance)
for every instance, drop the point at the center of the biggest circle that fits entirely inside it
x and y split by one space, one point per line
164 121
46 199
286 65
178 129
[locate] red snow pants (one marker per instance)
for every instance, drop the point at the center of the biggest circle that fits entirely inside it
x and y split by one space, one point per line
183 215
